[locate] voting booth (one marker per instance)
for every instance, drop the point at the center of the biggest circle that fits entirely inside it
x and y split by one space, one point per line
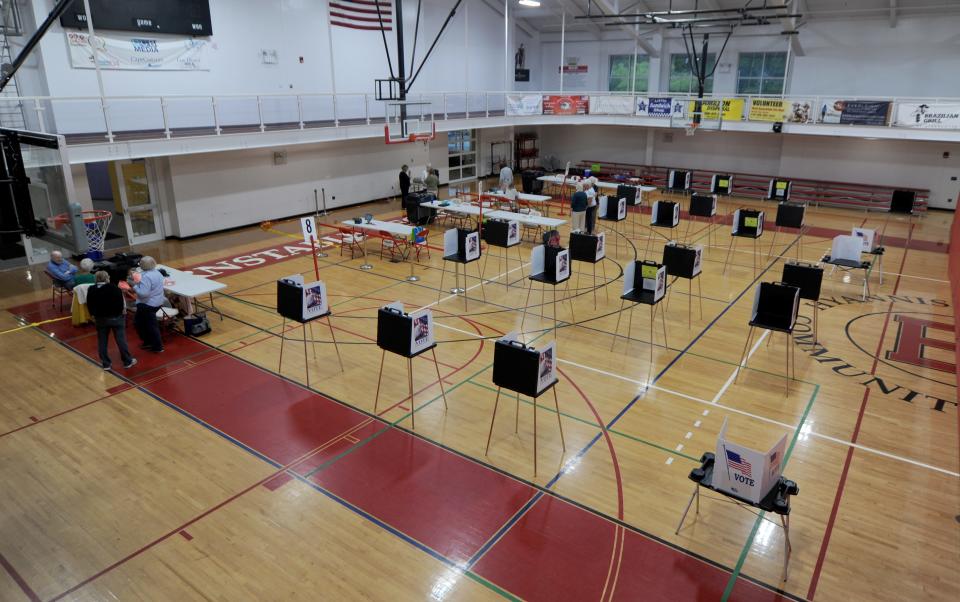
775 307
752 479
685 261
779 190
612 209
872 246
808 277
902 201
527 371
747 223
644 283
663 214
678 181
845 253
789 215
630 193
501 234
590 248
702 206
721 184
460 247
304 302
407 335
549 265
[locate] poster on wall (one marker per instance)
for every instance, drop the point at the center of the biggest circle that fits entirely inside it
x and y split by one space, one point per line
928 116
574 74
524 104
566 105
710 109
611 105
659 107
777 109
120 52
855 112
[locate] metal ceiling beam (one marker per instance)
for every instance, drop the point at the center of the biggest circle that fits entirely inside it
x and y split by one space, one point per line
893 13
522 24
790 26
649 48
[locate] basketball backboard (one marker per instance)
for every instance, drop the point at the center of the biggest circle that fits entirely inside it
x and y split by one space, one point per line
409 122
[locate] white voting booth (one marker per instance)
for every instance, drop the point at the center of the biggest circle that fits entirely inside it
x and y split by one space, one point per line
747 473
846 250
866 235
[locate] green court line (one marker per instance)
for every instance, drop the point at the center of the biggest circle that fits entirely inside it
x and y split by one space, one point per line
756 525
492 586
594 425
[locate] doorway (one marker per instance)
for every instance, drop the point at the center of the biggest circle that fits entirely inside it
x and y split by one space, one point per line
135 200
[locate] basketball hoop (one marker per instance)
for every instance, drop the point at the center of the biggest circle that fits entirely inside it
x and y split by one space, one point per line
96 223
425 137
691 128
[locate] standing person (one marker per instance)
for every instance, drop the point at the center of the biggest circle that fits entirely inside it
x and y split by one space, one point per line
578 209
61 271
105 304
148 285
404 185
506 176
432 182
592 202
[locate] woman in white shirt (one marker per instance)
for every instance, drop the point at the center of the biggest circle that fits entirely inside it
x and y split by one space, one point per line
592 202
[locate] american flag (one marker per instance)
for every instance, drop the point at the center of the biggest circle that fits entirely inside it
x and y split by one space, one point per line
735 462
361 14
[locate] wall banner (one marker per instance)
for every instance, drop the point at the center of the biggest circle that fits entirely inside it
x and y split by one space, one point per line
658 107
928 116
778 109
710 109
855 112
524 104
138 53
566 105
611 105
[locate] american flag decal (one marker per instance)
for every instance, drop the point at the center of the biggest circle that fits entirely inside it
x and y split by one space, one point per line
361 14
737 463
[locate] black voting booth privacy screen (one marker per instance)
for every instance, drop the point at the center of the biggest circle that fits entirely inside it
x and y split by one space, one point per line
703 205
583 247
629 193
902 201
515 367
416 214
681 260
550 262
790 215
721 184
779 190
664 214
496 232
678 180
749 223
807 277
290 300
461 254
612 210
776 306
395 331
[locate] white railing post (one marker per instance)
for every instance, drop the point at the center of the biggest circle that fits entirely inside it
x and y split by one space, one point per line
106 118
300 111
366 107
444 106
486 104
39 110
216 115
163 113
336 120
263 128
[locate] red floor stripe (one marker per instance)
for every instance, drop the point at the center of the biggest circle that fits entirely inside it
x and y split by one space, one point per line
24 586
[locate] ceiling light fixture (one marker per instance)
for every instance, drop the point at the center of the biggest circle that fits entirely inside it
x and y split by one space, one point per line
532 3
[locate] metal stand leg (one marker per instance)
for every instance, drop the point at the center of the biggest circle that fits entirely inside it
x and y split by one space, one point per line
534 436
690 303
653 312
663 319
573 318
440 288
516 417
526 303
554 287
787 547
773 241
376 399
283 337
606 289
483 291
336 347
214 307
413 406
743 356
733 244
700 296
594 285
617 329
366 263
306 360
556 404
440 379
493 419
313 341
696 494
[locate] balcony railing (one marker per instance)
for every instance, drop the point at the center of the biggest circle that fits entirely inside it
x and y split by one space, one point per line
94 119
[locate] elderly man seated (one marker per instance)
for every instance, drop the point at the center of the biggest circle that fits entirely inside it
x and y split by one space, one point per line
61 270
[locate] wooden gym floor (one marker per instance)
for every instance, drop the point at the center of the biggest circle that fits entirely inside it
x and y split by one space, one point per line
202 473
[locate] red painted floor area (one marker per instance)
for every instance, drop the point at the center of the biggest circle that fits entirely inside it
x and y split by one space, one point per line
556 551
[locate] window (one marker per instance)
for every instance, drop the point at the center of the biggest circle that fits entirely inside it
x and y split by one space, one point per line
761 72
619 77
681 77
462 155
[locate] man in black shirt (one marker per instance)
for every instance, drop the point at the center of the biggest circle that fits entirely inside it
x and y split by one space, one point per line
404 185
105 304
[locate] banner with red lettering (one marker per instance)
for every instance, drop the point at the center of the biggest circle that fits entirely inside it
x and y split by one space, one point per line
566 105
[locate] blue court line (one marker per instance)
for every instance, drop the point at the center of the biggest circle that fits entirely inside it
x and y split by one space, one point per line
509 524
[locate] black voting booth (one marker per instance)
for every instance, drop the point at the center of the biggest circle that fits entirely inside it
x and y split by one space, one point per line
303 303
663 214
747 223
789 215
678 181
721 184
775 307
644 283
549 264
808 277
460 247
705 206
530 182
590 248
502 234
902 201
631 193
525 371
779 190
685 261
406 335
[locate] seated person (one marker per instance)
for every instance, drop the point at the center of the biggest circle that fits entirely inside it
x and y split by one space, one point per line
85 275
61 270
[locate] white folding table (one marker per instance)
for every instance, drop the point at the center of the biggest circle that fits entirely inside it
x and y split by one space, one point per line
190 285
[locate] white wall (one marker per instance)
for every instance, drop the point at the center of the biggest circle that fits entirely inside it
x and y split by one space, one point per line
217 191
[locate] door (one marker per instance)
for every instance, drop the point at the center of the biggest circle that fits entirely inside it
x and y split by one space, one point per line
141 213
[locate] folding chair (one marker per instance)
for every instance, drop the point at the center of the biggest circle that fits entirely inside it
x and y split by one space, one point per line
58 289
421 243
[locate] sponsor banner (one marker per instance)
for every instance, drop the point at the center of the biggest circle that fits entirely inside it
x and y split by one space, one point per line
855 112
778 109
710 109
929 116
611 105
566 105
524 104
659 107
138 53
